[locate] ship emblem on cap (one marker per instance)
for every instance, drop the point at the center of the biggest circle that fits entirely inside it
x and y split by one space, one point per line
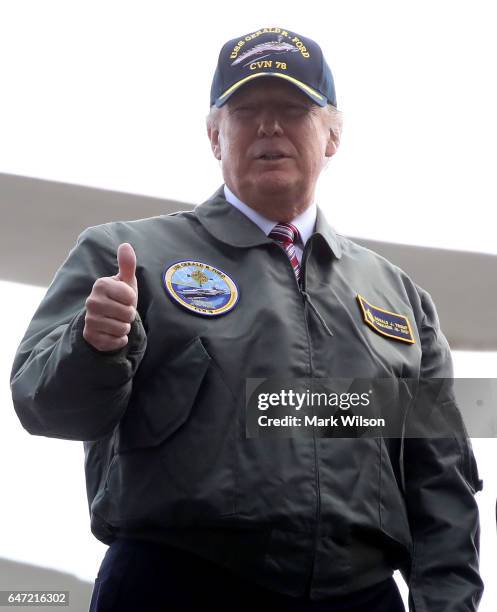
265 49
200 287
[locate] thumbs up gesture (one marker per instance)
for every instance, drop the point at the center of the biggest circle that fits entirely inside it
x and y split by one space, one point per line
111 305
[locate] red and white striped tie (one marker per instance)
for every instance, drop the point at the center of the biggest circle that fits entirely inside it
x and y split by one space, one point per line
286 234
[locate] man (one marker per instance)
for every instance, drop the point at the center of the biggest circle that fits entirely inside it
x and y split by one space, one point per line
149 366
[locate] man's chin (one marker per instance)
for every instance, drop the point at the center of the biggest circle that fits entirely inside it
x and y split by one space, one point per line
273 182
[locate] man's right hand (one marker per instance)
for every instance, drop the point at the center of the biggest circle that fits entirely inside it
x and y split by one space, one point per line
111 305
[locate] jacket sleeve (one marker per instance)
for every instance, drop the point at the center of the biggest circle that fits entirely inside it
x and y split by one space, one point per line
441 479
62 387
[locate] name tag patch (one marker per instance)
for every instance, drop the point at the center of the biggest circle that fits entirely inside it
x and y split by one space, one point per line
385 322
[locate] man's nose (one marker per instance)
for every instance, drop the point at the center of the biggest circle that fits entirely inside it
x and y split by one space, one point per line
269 125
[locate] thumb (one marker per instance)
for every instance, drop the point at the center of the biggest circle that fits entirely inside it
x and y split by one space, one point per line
126 260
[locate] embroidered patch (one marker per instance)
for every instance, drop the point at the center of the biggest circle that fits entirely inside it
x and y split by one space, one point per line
201 288
385 322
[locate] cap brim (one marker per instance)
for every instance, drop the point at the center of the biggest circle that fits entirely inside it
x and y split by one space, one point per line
309 91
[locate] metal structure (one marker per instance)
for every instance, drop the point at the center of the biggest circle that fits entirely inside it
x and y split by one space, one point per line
40 216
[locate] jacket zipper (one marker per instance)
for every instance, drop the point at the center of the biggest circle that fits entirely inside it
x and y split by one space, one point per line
306 296
316 311
306 299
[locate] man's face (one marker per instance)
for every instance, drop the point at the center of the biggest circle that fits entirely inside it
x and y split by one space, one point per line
273 142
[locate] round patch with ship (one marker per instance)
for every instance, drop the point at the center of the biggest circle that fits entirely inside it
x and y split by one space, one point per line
200 287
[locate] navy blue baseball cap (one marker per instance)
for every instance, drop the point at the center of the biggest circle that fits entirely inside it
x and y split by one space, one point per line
273 52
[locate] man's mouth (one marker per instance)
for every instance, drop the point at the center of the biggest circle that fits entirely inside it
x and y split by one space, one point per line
272 156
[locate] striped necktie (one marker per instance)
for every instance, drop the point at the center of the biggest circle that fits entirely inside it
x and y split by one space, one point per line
286 234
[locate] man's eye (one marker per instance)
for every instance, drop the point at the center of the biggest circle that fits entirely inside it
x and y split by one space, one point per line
296 110
244 109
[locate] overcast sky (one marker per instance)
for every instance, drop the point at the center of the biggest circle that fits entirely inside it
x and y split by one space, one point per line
114 94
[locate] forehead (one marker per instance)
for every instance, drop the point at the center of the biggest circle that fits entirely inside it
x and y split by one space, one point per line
269 88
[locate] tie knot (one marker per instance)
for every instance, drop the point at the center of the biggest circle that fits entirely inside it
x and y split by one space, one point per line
286 233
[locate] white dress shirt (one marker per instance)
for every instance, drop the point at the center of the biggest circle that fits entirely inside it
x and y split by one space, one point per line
304 222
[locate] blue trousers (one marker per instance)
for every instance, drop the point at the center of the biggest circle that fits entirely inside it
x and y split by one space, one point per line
143 576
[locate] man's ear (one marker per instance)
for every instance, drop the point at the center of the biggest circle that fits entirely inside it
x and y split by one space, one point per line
213 133
332 143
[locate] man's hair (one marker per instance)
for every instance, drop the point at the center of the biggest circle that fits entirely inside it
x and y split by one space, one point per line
335 115
213 116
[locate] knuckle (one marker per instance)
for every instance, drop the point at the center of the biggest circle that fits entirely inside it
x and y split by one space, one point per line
102 344
98 284
128 294
90 338
102 339
101 286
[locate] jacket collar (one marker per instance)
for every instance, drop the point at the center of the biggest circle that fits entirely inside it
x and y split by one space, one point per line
229 225
330 237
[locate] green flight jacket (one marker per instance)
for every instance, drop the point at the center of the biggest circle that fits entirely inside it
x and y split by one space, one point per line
162 419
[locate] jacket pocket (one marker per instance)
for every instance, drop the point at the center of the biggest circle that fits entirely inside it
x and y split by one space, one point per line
175 457
164 400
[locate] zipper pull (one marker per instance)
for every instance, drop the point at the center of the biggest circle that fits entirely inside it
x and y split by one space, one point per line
309 301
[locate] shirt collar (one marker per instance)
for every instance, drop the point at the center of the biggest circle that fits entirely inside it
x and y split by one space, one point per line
229 225
304 222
